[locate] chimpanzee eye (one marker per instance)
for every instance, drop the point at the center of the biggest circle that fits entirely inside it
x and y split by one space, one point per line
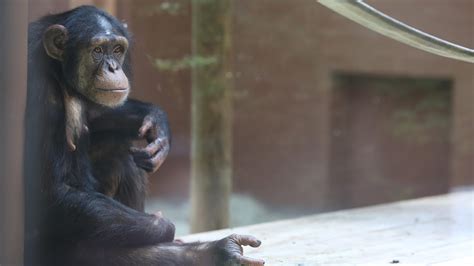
98 50
118 49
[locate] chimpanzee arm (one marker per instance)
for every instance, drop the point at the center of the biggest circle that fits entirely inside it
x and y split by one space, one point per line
135 119
128 118
96 218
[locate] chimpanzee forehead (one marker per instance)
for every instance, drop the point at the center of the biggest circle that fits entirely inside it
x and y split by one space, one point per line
105 26
87 23
106 33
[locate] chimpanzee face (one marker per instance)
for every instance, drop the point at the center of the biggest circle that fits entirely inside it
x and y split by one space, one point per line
92 67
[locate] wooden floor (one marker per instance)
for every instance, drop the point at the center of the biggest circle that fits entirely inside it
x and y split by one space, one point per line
428 231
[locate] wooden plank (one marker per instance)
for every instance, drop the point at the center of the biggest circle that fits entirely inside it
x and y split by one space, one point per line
435 230
13 75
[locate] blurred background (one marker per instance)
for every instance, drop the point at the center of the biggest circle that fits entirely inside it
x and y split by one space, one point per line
321 113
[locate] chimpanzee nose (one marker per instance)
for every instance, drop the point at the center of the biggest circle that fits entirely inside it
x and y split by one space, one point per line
112 66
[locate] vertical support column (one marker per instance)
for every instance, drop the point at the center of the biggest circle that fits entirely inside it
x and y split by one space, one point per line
76 3
211 107
108 5
13 67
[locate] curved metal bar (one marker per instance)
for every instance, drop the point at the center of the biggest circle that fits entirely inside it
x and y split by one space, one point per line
367 16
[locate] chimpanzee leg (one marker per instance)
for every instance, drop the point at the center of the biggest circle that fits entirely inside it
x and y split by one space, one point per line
117 173
166 254
92 216
224 252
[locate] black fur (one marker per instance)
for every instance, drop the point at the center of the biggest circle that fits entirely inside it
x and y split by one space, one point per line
85 206
66 201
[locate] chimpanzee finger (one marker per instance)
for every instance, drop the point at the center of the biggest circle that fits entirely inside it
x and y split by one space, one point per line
178 241
246 240
158 160
151 164
144 164
146 126
149 151
244 260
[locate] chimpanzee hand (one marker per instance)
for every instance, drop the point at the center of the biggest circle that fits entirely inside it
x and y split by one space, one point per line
155 130
230 250
167 227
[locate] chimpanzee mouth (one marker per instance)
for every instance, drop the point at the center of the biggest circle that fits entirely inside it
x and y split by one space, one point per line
113 90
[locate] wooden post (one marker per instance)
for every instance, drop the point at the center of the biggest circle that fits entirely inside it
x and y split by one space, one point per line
108 5
211 129
13 67
76 3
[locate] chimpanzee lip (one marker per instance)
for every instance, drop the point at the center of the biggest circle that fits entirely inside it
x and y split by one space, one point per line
113 90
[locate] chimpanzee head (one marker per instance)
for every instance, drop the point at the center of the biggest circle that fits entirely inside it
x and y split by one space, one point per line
91 47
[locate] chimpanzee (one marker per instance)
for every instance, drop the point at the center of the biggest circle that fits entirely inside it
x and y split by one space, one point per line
85 181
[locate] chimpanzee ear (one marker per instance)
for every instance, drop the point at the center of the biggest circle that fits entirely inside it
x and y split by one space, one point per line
54 41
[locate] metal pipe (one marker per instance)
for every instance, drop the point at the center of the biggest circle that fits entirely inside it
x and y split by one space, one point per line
369 17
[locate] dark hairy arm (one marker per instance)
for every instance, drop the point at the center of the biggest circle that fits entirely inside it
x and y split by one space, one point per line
127 118
137 120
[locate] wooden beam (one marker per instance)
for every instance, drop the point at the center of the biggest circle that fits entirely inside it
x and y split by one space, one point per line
108 5
211 129
76 3
13 67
